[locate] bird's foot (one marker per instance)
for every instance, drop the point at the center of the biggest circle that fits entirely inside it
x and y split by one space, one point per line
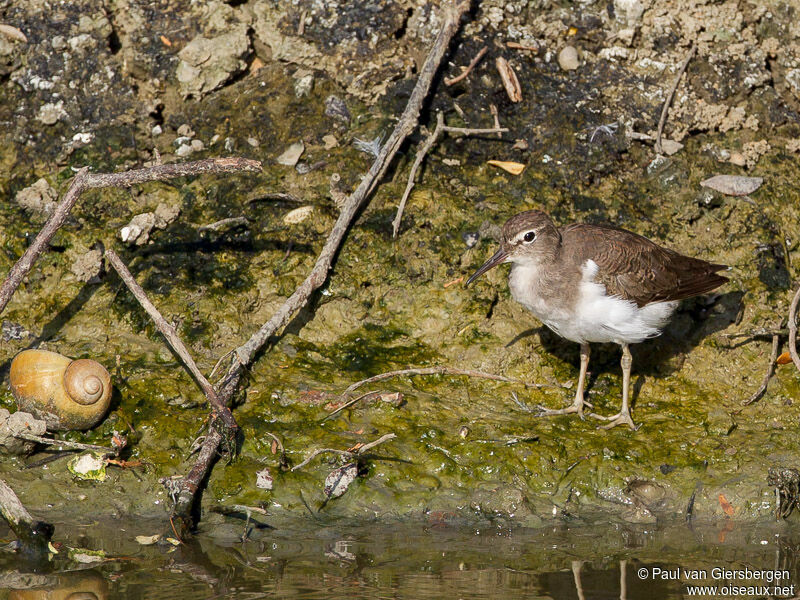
575 408
621 418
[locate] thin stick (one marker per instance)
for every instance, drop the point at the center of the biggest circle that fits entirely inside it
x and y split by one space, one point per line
319 273
362 450
84 180
423 371
168 331
793 329
776 345
468 70
63 443
670 95
423 151
244 354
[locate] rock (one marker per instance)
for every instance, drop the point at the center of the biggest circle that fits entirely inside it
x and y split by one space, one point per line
298 215
568 58
185 131
37 198
470 238
208 63
19 422
51 113
88 265
733 185
670 147
303 85
292 154
137 232
337 109
13 331
629 12
738 159
330 141
338 480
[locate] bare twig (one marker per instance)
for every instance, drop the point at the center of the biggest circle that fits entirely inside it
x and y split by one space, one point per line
219 408
776 345
668 100
518 46
468 70
423 371
63 443
84 180
793 329
223 224
244 354
423 151
349 453
34 536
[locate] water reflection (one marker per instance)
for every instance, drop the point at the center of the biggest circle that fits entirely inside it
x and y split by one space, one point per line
586 562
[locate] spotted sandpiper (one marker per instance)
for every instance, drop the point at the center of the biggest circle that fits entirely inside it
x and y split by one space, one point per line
595 283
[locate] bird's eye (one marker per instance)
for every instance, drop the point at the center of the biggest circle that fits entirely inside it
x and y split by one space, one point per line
529 237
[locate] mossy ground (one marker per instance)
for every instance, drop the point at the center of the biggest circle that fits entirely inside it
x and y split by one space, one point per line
392 303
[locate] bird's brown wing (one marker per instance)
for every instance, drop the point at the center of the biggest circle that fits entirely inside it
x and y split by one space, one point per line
637 269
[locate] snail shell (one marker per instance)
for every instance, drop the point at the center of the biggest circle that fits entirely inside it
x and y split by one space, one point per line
67 394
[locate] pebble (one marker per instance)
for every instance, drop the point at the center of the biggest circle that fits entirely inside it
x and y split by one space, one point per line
738 159
568 58
185 130
197 145
291 155
470 238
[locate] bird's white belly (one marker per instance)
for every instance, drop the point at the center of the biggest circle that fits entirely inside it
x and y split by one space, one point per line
589 315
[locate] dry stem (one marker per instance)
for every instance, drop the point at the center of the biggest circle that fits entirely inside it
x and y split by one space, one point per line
349 453
423 151
422 371
219 408
793 329
468 70
84 180
670 95
776 345
245 353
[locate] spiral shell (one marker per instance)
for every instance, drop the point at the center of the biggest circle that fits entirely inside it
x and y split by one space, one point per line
67 394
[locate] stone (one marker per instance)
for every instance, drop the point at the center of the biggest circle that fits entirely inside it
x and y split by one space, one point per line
568 58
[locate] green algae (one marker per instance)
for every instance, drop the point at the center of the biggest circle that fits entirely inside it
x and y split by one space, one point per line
385 307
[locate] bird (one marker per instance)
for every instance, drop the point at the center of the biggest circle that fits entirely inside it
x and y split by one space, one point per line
597 283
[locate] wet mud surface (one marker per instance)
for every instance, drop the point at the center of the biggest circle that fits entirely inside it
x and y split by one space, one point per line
111 85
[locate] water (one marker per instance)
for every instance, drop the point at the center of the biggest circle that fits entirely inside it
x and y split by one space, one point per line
437 559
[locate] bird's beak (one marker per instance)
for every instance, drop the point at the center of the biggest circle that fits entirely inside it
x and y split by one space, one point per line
499 257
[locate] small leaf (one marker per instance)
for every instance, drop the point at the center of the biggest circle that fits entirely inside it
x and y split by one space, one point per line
338 480
727 508
514 168
784 359
147 540
733 185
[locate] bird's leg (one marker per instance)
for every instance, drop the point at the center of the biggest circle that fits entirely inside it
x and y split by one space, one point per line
623 417
579 402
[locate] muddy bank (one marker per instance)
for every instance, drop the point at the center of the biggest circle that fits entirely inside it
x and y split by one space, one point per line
113 86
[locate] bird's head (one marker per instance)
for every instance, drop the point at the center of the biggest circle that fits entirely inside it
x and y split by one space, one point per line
528 237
